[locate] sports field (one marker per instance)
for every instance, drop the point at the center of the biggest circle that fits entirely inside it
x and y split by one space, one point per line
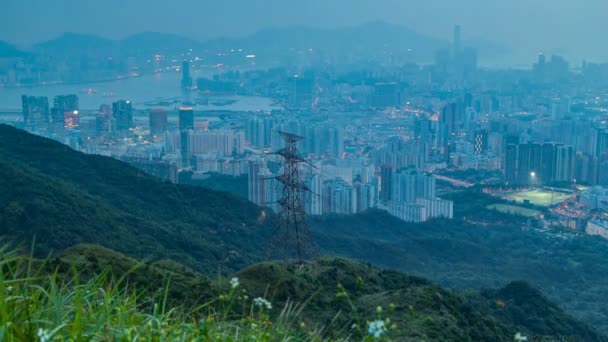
540 197
513 209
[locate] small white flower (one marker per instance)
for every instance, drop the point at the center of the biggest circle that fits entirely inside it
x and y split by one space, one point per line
376 328
261 302
9 289
43 335
234 283
520 338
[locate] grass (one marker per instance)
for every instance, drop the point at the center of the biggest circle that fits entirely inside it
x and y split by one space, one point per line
540 197
513 209
38 306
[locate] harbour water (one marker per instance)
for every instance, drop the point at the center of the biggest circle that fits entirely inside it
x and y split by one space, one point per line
144 91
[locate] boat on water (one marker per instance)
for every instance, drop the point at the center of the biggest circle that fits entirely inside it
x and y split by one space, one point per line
88 91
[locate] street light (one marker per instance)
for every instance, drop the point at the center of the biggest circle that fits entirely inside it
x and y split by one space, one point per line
532 178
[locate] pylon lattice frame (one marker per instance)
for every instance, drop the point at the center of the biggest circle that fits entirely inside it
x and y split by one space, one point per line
291 223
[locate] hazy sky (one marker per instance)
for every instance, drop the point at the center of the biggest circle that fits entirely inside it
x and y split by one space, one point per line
575 28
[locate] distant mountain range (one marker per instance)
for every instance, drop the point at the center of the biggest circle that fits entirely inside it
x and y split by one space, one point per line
8 50
374 38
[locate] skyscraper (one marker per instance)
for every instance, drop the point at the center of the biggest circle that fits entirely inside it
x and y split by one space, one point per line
457 42
186 118
564 164
301 92
186 123
547 168
336 141
408 185
63 104
122 112
35 110
186 78
481 142
510 164
103 120
386 183
158 121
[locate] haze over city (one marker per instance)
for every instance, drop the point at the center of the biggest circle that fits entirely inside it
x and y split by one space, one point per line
283 170
573 29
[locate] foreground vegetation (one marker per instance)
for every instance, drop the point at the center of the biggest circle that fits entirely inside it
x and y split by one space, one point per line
91 293
38 306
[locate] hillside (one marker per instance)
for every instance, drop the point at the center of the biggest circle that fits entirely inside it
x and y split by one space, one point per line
331 295
8 50
462 255
421 310
63 197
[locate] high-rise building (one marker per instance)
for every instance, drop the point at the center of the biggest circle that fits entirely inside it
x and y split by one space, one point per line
336 141
257 182
386 183
586 167
184 148
547 168
122 112
35 110
528 163
601 150
564 164
223 142
158 121
259 131
63 104
186 78
436 208
469 60
510 164
409 184
314 181
457 42
71 119
481 142
301 92
186 118
408 212
341 197
103 121
366 196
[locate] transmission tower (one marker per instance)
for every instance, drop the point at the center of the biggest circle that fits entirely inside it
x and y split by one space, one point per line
291 231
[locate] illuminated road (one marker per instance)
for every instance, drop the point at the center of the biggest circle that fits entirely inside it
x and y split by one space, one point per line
455 182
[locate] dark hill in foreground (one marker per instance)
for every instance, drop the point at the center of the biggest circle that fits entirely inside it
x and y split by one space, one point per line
63 197
420 309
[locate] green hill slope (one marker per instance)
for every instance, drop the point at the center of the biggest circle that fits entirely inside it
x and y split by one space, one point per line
63 197
335 293
457 254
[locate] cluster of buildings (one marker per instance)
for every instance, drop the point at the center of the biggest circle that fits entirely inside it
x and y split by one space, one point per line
375 135
350 186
